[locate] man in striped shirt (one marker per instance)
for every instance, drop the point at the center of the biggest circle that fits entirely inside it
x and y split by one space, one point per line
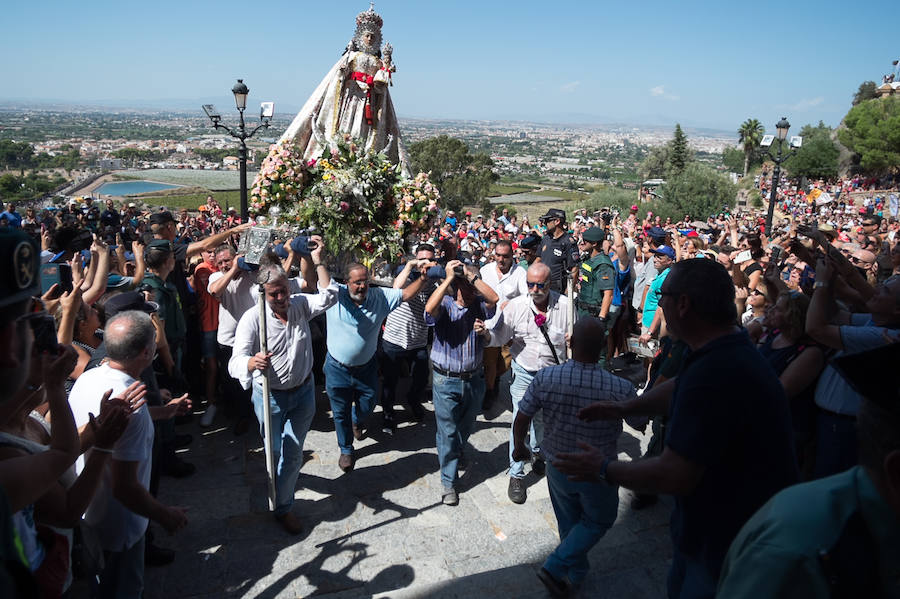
584 510
405 339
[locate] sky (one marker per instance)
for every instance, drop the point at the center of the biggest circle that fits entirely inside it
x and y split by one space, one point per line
648 62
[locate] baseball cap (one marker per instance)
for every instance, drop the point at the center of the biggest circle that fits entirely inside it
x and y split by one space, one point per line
530 242
554 213
593 234
20 276
657 233
161 218
664 250
129 300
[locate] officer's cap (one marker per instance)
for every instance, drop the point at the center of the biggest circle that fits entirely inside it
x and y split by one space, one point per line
594 235
20 274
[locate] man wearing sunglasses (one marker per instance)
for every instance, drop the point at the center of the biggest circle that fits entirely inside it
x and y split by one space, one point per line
535 328
558 250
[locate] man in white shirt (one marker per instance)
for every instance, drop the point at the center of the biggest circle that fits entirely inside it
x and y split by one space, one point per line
288 366
508 280
237 291
535 327
118 514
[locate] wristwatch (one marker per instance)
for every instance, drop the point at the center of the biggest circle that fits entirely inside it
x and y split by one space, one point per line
474 279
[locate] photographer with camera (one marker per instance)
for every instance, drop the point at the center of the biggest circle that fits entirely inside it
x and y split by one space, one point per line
457 310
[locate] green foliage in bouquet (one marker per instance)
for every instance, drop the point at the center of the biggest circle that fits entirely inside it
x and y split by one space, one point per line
357 200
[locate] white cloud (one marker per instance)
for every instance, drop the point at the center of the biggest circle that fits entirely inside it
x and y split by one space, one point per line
570 87
806 104
660 92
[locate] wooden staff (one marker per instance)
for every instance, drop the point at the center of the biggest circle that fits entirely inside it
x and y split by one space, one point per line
267 409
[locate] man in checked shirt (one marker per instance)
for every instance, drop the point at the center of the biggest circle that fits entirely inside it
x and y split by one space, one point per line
584 510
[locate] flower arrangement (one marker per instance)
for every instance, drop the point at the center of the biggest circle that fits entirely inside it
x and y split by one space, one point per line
356 199
539 319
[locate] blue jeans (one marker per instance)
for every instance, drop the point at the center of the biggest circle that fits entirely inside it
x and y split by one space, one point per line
521 379
352 392
689 578
391 357
456 405
123 573
584 512
292 415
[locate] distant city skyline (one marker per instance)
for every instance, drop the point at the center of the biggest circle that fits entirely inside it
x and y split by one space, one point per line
703 64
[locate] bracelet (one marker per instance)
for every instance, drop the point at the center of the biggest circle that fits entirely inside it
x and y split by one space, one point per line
319 264
102 449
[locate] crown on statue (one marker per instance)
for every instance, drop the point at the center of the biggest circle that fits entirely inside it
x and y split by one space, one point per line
369 20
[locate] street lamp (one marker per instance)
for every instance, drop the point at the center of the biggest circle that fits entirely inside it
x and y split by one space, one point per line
781 128
267 110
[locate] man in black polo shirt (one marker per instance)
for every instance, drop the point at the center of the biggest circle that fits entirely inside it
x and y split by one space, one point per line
728 446
558 250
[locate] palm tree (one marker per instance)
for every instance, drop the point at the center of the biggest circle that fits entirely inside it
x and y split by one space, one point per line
750 132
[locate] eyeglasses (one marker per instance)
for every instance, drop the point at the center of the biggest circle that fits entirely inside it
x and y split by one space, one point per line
537 285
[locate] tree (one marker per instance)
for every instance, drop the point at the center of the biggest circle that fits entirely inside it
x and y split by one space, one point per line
698 190
865 92
462 178
751 133
654 165
818 157
873 132
680 154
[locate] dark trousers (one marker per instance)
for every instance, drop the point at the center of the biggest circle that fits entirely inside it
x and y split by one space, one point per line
392 358
236 398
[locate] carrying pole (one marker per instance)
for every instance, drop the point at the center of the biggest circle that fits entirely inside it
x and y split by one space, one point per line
570 293
267 409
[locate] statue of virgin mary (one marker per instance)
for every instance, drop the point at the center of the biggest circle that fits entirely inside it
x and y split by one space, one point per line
353 99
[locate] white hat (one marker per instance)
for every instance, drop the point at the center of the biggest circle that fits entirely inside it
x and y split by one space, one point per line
132 205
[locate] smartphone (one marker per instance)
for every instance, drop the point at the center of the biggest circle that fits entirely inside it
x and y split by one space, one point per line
53 274
776 254
742 257
44 327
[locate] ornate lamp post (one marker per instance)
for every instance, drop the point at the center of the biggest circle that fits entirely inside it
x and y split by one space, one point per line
267 110
781 127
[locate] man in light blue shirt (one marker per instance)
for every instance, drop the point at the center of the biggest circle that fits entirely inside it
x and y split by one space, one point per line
351 368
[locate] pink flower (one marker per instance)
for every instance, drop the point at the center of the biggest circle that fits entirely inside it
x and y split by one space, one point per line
311 162
345 206
540 320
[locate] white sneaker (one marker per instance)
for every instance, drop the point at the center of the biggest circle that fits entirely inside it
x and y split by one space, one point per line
207 418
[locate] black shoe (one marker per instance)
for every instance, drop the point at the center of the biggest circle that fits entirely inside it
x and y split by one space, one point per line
556 587
387 425
642 501
417 412
358 433
155 556
178 468
241 426
517 492
182 441
538 465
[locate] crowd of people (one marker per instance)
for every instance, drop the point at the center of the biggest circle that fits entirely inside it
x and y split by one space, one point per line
118 324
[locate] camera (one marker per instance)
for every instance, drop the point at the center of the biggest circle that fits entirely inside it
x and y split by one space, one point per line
44 328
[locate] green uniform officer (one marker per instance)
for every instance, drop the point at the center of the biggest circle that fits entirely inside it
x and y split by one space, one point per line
596 278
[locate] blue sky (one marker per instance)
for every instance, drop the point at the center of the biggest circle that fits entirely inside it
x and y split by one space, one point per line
704 64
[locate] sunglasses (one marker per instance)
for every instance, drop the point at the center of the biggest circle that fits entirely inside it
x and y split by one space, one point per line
537 285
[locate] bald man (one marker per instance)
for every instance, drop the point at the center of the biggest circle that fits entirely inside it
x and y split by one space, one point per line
584 510
532 347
